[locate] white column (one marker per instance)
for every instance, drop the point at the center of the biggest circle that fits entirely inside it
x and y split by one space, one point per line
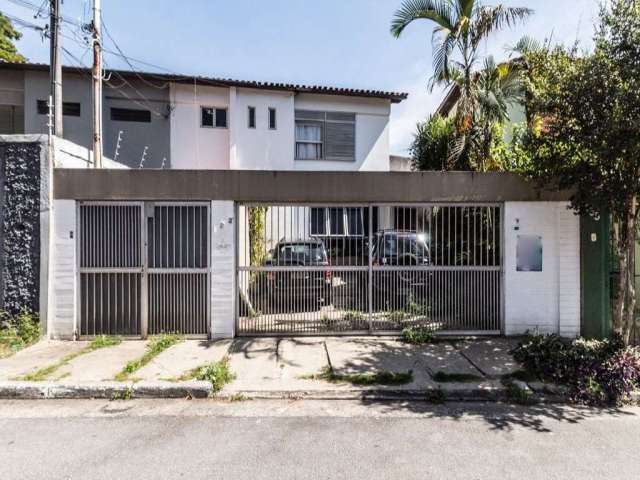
546 301
223 269
63 317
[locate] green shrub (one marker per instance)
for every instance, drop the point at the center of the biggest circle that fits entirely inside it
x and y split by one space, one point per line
595 371
18 332
216 373
417 335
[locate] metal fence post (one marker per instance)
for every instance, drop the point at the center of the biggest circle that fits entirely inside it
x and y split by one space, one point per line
370 276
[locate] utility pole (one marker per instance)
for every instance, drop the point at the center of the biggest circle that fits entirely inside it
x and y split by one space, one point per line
55 66
97 84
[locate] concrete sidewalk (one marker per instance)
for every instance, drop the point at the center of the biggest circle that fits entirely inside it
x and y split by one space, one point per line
305 367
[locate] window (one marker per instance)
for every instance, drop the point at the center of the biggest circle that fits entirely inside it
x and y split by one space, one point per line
211 117
11 119
251 121
325 136
272 119
130 115
69 109
337 222
318 222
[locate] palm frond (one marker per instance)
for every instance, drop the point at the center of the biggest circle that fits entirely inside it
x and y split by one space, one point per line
438 11
487 19
525 46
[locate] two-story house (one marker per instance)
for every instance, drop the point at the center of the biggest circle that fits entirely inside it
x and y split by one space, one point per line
185 122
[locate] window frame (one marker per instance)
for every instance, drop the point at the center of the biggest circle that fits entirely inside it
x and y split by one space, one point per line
313 123
215 117
323 122
251 110
111 109
345 223
65 105
275 118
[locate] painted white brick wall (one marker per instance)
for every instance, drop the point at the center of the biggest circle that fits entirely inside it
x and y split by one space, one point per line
548 301
223 269
62 322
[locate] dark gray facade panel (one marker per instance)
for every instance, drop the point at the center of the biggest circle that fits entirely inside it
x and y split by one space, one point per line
300 187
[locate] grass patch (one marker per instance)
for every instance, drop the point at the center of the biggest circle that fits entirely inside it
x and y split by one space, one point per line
216 373
444 377
417 335
156 346
362 379
103 341
238 397
18 332
517 395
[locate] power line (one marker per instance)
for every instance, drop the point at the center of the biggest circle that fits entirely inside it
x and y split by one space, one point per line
39 10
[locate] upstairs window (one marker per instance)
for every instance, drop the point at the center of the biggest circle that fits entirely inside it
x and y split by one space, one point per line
212 117
251 120
69 109
130 115
272 119
325 136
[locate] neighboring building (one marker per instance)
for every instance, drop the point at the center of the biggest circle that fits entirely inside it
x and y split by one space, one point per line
187 122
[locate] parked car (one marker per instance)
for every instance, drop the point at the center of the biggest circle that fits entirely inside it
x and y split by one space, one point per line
393 288
304 289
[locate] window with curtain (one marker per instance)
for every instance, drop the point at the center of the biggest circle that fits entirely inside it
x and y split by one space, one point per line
325 135
308 141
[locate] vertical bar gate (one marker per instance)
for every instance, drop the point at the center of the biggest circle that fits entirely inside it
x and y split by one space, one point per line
144 268
328 269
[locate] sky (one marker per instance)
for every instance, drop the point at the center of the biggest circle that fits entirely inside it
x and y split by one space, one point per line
342 43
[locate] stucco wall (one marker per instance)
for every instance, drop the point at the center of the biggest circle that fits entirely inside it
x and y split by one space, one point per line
135 135
546 301
261 148
194 146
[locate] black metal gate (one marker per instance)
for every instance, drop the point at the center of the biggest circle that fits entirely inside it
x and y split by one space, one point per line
144 268
352 269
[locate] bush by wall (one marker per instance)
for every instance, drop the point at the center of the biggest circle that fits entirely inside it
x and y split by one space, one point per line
597 372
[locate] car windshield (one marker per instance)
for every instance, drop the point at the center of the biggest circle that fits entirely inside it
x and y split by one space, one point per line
302 253
412 244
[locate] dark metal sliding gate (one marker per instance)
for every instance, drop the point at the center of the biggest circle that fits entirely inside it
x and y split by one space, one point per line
327 269
144 268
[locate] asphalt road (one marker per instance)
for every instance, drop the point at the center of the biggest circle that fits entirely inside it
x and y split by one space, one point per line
312 439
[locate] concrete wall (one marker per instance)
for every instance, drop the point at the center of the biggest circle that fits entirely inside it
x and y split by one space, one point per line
546 301
135 135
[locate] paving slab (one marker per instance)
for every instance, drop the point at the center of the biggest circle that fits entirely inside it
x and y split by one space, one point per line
298 357
350 356
254 361
102 364
40 355
182 357
492 356
444 357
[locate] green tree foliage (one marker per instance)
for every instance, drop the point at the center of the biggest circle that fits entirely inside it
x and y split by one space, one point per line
585 134
460 27
8 34
431 147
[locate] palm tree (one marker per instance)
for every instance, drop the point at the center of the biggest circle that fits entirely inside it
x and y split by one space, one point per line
460 27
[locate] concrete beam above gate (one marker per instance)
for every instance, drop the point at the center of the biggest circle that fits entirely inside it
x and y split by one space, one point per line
296 187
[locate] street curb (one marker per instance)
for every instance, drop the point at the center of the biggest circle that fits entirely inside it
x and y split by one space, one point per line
103 390
198 389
